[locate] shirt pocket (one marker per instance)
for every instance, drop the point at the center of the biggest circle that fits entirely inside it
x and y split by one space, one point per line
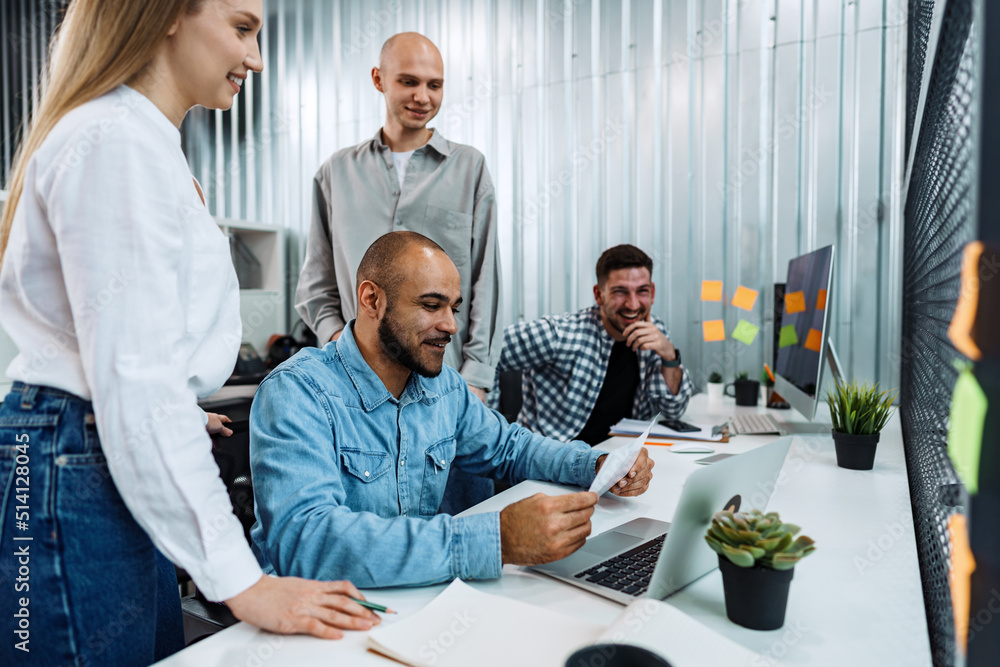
452 230
364 466
437 465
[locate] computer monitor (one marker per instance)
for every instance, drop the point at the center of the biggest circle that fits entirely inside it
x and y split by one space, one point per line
804 332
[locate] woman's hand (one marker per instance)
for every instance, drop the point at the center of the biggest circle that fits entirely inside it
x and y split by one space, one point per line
216 425
289 605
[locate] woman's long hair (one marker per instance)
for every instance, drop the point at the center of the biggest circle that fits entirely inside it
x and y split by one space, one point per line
100 45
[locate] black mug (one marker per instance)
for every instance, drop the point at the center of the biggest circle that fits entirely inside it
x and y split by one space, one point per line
746 392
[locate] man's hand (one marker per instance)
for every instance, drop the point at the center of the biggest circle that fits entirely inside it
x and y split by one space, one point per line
542 528
637 480
216 425
645 335
289 605
479 393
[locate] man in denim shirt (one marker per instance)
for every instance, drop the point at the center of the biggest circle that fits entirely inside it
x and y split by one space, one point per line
351 445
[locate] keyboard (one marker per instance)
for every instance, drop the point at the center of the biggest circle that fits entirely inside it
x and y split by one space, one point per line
754 425
629 572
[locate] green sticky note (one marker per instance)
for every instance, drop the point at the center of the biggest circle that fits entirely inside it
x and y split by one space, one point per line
787 336
965 428
745 332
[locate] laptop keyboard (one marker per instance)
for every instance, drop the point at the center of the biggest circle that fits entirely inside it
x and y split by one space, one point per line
629 572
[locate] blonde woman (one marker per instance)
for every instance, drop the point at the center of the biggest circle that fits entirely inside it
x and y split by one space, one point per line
117 288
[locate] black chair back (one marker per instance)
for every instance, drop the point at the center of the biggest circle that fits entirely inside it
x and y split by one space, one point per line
232 455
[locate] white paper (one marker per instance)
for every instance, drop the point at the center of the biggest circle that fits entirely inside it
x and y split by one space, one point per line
670 633
464 626
619 462
633 426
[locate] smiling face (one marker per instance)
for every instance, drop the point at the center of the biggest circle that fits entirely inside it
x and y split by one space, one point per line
411 76
419 319
625 297
210 53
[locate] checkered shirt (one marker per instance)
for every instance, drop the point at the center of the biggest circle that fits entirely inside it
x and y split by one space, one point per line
564 359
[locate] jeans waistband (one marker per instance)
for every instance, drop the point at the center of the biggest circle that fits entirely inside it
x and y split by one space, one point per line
30 391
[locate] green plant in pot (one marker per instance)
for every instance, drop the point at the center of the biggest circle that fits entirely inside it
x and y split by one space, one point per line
859 412
714 387
757 557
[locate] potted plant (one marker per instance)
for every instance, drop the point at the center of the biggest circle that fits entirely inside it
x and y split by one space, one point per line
859 412
714 387
766 384
757 557
745 390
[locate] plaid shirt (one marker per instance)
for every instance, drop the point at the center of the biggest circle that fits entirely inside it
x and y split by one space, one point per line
564 359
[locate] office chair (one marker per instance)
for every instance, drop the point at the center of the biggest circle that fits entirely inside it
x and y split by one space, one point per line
203 617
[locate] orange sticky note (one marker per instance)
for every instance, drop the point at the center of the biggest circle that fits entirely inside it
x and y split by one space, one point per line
711 290
960 332
960 576
821 300
795 302
744 298
713 330
814 340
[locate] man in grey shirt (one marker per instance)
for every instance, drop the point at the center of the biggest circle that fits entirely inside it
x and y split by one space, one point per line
409 177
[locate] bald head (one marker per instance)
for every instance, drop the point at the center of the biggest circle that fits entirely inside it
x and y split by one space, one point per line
404 45
383 261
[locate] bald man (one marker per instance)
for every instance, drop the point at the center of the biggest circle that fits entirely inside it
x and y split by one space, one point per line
350 446
409 177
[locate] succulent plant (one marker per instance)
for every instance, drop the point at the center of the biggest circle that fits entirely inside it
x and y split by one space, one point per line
859 409
742 376
750 538
715 376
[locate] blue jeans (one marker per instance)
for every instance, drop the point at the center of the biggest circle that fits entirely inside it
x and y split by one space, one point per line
80 582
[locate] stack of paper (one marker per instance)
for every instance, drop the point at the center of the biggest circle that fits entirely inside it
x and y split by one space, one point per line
636 426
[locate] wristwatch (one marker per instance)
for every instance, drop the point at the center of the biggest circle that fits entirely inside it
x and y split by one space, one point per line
675 363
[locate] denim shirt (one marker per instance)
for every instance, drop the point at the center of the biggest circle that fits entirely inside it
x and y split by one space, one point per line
348 479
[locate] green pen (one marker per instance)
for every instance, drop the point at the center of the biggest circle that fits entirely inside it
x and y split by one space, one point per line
374 607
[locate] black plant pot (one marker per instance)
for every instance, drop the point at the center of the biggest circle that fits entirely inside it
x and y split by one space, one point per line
855 452
756 597
746 392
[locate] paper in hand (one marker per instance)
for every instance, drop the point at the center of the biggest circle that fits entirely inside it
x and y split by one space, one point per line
619 462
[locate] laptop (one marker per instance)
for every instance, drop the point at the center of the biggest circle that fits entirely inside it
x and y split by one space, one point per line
650 558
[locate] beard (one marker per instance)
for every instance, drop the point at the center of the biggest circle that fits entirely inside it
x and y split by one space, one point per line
391 338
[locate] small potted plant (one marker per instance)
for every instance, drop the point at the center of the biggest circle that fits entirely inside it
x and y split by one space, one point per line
757 557
766 384
859 412
745 390
714 387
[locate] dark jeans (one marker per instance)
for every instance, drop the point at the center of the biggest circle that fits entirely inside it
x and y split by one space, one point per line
80 582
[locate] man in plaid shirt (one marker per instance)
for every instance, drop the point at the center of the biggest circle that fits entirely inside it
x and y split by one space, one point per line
585 371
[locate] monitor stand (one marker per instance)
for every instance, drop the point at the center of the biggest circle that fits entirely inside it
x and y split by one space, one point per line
834 362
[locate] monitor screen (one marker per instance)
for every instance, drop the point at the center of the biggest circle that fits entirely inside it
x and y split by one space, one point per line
803 326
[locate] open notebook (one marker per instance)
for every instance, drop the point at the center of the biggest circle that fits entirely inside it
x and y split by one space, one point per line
464 626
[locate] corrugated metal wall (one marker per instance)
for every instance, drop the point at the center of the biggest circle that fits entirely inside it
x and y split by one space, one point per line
723 136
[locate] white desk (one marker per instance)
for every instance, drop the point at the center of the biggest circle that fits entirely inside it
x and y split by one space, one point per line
856 601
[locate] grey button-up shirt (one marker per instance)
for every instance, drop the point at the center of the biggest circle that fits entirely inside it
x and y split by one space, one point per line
447 196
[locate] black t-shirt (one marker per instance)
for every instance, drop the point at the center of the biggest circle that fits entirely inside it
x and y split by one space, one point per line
614 403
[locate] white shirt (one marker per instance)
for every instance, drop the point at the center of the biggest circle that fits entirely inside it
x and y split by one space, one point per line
401 161
118 286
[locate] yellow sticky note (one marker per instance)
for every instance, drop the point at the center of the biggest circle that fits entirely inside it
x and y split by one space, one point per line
711 290
814 340
965 428
745 332
795 302
821 300
787 336
960 576
713 330
744 298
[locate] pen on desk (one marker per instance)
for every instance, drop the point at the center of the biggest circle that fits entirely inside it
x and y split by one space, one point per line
374 607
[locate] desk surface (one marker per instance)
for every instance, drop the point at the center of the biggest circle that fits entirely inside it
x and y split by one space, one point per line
857 600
